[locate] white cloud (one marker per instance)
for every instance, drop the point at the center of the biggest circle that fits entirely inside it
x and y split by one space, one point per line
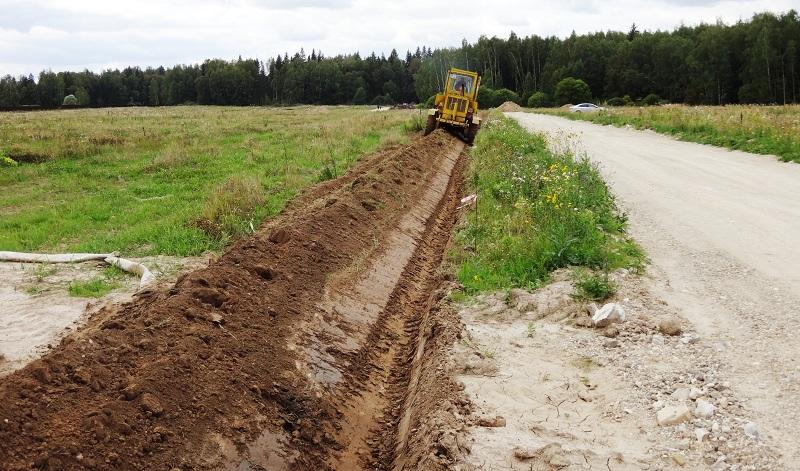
97 34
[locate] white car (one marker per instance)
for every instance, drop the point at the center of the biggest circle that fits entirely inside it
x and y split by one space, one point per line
585 108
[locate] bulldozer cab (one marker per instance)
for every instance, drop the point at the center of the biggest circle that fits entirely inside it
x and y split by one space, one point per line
457 104
461 84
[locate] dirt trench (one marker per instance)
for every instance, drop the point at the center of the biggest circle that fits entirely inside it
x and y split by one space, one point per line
311 345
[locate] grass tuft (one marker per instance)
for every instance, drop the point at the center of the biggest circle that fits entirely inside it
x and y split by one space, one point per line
98 286
231 208
414 124
94 288
593 286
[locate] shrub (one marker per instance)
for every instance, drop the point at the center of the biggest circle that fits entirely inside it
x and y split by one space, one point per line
503 95
82 96
490 98
486 97
572 90
430 102
70 100
538 100
382 100
616 101
651 100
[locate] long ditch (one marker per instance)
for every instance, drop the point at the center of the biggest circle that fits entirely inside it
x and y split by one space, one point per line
299 348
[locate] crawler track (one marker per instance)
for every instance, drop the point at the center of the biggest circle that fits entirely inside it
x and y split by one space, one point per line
306 346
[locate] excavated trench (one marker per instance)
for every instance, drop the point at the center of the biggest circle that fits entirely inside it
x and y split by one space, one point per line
313 344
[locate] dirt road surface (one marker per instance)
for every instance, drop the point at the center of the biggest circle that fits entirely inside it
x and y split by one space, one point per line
722 231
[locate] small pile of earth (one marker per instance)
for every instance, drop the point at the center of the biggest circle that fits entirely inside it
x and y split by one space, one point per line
509 106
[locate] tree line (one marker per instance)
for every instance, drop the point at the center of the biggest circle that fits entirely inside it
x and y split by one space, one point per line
316 79
755 61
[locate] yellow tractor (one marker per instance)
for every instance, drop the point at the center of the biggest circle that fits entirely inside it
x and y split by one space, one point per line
457 107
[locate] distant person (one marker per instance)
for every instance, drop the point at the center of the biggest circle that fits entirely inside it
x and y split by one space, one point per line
460 85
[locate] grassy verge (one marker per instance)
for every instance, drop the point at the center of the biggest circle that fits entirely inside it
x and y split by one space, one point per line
173 181
536 212
773 130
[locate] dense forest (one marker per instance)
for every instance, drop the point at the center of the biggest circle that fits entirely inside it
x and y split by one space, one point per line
755 61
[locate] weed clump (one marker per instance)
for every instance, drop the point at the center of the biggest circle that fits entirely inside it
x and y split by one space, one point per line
231 208
7 161
593 286
99 286
414 124
327 173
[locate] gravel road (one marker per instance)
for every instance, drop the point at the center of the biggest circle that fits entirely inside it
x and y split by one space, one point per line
722 230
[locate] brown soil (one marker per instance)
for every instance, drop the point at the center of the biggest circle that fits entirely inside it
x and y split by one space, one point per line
310 345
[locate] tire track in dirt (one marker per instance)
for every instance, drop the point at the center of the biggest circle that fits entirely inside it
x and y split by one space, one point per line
294 350
382 409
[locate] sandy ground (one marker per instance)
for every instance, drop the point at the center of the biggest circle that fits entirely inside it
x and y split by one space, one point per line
575 397
37 311
721 229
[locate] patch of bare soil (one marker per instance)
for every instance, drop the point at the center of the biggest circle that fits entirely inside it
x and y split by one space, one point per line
38 310
551 392
307 346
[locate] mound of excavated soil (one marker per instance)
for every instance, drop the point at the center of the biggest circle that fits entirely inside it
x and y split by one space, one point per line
509 106
300 348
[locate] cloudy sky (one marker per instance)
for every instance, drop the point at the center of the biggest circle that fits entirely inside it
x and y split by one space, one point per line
99 34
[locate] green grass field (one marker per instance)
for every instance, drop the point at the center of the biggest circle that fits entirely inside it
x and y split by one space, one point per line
771 130
536 212
173 181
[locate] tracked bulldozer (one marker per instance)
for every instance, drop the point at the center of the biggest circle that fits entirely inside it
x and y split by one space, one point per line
456 108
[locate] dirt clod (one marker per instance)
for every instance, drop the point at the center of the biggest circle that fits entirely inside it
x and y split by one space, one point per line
151 404
82 375
131 392
267 273
210 296
670 326
370 205
279 236
611 331
496 421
